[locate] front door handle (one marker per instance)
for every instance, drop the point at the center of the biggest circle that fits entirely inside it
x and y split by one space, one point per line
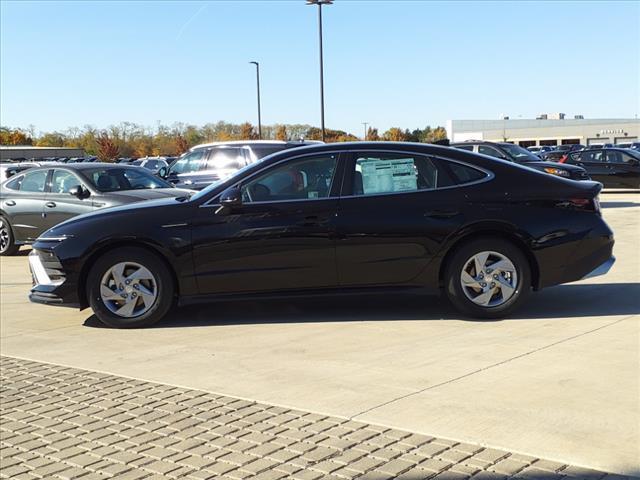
441 213
10 203
50 204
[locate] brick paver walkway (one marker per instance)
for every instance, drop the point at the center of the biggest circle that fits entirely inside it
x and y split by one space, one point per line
60 422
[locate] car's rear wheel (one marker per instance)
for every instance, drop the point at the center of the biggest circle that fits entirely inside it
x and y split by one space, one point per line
130 288
7 241
488 278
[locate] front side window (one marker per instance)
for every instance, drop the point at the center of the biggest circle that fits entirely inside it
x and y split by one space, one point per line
519 154
592 156
34 181
120 179
391 173
62 181
191 162
300 179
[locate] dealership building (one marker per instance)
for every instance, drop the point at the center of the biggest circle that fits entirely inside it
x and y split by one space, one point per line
28 152
549 129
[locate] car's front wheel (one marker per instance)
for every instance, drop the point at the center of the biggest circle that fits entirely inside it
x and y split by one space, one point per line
130 288
7 241
488 278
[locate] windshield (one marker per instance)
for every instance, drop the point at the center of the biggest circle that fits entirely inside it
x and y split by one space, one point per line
121 179
518 153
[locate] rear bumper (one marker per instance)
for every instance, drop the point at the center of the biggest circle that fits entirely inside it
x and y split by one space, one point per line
601 269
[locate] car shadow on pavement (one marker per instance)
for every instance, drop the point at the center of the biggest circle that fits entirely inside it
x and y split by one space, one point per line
564 301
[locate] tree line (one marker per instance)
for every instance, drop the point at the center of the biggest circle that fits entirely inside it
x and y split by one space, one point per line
132 140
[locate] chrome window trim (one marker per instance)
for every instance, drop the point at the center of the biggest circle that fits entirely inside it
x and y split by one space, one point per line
489 176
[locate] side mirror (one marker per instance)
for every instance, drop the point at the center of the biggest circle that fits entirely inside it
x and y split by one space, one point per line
163 172
230 198
79 192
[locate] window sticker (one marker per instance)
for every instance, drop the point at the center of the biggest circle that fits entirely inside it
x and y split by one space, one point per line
382 176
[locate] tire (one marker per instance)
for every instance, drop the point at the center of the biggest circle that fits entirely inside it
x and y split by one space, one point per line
7 240
489 293
148 277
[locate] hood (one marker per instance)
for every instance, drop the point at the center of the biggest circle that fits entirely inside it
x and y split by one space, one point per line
129 207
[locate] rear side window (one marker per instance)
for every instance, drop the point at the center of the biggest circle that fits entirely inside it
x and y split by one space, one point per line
377 174
465 147
34 181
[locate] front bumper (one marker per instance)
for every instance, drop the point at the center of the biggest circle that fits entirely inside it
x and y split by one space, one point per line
601 269
50 285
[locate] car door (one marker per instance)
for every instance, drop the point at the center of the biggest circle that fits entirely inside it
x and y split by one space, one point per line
393 217
282 237
624 169
60 205
594 163
25 205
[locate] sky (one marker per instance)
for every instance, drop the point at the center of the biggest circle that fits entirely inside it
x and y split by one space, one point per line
388 63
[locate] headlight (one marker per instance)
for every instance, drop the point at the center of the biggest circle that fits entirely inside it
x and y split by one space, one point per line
556 171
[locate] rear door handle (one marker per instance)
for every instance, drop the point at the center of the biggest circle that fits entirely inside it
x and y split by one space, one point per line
10 203
441 213
50 204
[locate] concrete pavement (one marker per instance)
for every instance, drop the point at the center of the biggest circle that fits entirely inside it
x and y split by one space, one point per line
559 381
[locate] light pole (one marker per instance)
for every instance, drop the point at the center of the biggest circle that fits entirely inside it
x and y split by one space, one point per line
320 3
258 88
365 130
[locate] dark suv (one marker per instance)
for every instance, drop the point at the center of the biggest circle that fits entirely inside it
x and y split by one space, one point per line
211 162
517 154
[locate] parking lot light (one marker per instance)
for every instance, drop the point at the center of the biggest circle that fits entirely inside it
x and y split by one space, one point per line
320 3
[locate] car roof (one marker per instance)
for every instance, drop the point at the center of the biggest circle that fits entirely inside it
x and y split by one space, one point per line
249 143
81 166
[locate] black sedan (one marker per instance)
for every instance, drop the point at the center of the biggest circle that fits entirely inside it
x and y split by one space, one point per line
613 167
515 153
345 217
42 197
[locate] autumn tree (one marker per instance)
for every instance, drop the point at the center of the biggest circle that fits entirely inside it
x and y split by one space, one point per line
247 132
181 145
107 149
281 133
53 139
14 137
372 135
395 134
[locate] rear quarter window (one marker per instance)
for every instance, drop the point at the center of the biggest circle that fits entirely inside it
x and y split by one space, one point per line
464 174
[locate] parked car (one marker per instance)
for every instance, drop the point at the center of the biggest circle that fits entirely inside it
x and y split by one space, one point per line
595 146
211 162
515 153
348 217
9 169
631 145
42 197
613 167
570 147
151 163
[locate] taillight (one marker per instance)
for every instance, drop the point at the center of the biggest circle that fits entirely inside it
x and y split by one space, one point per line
563 159
584 204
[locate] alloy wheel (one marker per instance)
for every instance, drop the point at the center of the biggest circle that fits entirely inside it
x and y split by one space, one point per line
128 289
489 279
5 236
